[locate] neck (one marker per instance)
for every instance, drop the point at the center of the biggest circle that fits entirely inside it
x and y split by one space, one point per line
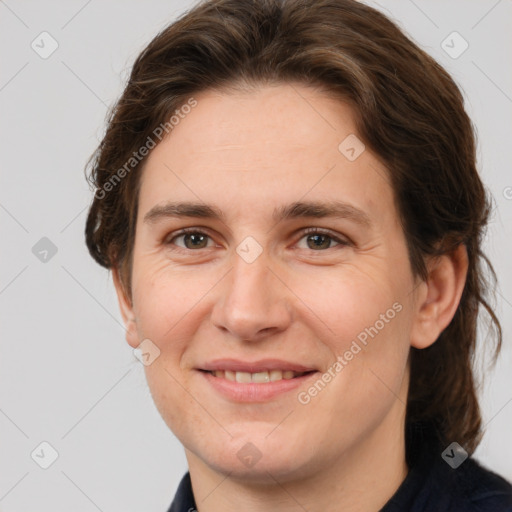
363 478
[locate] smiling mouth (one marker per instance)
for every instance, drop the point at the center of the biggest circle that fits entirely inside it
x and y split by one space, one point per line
257 377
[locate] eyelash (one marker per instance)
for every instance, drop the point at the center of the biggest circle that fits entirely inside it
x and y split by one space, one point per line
308 231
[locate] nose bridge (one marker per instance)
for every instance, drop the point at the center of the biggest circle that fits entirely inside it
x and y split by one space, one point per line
253 300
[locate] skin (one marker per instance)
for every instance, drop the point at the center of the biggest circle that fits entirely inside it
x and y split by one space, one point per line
248 153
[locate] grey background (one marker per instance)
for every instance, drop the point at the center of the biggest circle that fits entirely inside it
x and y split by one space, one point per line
67 375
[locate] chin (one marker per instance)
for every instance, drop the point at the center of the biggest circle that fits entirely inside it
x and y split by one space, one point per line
265 472
258 459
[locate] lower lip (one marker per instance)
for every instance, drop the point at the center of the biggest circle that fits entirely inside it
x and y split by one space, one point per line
254 392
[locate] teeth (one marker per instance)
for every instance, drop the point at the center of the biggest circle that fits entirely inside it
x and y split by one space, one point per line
258 377
243 377
276 375
261 377
229 375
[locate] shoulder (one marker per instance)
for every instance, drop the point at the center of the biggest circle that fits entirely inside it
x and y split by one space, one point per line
184 499
434 485
481 488
471 487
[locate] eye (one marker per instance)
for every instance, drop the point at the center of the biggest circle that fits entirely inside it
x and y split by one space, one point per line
191 238
318 239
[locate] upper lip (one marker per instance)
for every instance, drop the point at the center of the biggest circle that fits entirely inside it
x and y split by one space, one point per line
261 365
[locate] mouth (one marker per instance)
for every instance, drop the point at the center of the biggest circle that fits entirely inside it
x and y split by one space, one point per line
259 381
261 377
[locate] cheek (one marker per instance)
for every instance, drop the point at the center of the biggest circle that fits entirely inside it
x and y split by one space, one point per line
369 373
170 306
161 296
364 320
344 302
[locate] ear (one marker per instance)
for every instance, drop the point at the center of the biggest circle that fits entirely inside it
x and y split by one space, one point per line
439 296
126 307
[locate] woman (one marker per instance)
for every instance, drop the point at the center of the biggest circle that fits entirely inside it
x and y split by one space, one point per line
287 197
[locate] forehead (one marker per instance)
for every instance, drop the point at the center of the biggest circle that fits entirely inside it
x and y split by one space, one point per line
260 150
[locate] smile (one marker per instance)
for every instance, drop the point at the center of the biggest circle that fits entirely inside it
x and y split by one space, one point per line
255 387
258 377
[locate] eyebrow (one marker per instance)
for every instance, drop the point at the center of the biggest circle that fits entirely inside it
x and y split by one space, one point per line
299 209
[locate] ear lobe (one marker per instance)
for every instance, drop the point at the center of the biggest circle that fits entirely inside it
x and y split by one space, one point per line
440 296
126 307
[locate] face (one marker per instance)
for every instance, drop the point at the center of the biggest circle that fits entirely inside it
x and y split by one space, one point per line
284 314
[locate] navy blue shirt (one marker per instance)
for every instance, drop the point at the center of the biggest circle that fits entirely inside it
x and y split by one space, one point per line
431 485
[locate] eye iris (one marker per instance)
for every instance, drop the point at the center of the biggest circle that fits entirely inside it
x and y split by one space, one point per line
198 240
318 238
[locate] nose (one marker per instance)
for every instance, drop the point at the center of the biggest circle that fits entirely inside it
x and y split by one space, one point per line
253 303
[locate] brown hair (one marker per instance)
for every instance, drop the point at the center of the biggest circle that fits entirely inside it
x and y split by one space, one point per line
409 112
